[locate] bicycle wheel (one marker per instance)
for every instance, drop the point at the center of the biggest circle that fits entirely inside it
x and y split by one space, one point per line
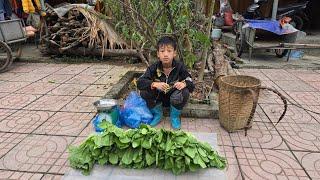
5 56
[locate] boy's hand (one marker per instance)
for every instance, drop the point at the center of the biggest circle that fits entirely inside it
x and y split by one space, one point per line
180 85
160 86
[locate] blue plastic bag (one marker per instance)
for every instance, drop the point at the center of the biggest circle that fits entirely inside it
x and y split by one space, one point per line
111 116
98 119
295 54
135 111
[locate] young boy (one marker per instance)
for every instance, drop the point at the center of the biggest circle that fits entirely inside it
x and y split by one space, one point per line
166 83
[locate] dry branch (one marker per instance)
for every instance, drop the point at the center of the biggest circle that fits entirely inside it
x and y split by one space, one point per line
82 32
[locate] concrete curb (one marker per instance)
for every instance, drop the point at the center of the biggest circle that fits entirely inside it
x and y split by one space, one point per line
191 110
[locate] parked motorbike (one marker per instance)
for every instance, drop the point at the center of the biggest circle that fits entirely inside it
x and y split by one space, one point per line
296 11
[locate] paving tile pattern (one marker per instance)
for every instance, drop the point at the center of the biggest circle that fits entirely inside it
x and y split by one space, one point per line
24 121
65 123
8 141
293 114
81 104
19 175
35 153
44 108
38 88
3 95
311 162
5 113
56 78
96 90
69 89
12 86
258 163
83 79
17 101
50 103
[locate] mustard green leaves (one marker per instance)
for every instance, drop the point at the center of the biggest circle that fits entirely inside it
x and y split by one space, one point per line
145 147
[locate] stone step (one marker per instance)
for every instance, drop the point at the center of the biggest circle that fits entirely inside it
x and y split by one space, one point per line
190 110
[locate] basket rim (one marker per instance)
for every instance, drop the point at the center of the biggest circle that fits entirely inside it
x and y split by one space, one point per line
229 84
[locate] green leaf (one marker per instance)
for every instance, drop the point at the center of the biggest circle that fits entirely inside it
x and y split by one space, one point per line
206 146
181 140
144 131
187 160
149 159
124 139
202 152
147 143
176 170
162 146
159 136
105 124
157 157
168 28
169 145
193 167
135 154
139 157
192 139
136 143
176 151
113 159
190 151
198 160
168 164
103 161
127 157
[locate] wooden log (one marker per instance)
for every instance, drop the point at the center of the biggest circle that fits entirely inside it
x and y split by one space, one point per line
51 42
208 31
222 66
81 51
232 54
73 44
210 62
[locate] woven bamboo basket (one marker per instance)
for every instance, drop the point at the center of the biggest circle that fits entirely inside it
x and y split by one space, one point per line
238 98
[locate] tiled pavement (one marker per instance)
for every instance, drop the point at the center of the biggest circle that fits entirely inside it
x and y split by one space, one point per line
46 107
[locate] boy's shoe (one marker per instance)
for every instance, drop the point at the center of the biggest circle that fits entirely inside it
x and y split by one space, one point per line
175 117
157 114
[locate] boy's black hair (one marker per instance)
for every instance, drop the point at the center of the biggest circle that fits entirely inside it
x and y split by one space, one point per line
167 40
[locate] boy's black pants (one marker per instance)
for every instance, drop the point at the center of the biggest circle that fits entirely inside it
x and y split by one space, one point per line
176 98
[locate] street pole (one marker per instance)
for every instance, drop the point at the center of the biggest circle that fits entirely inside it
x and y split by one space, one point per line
275 9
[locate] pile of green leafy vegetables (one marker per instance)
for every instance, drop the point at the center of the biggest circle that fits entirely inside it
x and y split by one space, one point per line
144 147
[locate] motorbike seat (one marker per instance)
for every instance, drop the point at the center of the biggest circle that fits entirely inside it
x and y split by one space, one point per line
294 6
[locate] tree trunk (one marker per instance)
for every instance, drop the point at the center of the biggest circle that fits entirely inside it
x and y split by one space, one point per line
210 62
200 5
208 30
222 66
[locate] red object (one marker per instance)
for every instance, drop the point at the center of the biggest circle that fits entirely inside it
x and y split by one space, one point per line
228 20
284 20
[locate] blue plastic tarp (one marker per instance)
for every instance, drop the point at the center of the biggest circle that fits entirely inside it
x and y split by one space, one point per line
271 26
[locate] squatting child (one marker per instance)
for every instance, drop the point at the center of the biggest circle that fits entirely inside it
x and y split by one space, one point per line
166 83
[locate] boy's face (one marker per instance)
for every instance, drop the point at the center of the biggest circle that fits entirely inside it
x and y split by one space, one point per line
166 53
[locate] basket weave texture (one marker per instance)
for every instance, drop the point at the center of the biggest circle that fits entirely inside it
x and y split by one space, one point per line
236 101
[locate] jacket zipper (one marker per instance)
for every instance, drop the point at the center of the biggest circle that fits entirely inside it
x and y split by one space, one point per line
167 77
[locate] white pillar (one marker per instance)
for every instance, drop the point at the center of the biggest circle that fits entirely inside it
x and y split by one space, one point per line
275 9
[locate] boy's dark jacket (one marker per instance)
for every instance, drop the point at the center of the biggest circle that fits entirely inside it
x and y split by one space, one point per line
154 73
